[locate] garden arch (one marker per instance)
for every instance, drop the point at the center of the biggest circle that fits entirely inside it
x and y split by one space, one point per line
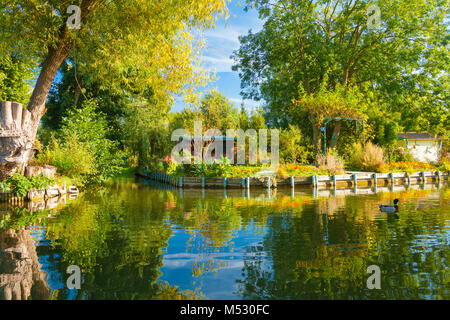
329 119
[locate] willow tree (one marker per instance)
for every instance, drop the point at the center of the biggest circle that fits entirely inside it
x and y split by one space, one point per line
138 45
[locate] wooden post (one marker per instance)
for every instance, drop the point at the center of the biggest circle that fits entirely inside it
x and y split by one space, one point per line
292 182
391 175
334 181
203 182
243 183
181 182
225 182
438 174
248 183
375 179
355 180
423 177
314 181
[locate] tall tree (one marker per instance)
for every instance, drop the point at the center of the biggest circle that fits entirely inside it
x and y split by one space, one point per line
304 43
136 44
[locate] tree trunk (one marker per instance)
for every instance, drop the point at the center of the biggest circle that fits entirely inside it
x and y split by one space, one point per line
317 136
15 142
18 126
336 132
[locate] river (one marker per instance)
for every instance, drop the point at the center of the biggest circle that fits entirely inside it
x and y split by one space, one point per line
136 240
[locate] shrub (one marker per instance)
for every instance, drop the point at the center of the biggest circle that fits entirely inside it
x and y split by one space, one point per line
87 129
20 185
72 158
330 162
366 158
445 164
292 146
81 149
398 154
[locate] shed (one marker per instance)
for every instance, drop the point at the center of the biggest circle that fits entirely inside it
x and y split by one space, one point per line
425 147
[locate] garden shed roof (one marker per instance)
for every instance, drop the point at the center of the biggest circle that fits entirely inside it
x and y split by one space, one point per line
417 136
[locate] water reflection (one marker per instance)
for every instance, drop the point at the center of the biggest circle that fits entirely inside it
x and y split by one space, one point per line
20 272
140 240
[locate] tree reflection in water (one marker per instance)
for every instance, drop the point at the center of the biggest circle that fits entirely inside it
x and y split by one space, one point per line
20 272
301 247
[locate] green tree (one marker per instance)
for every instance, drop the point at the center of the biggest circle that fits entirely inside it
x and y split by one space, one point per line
136 45
218 112
15 75
294 146
74 89
403 63
90 128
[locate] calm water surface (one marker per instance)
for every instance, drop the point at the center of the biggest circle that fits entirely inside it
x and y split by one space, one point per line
138 241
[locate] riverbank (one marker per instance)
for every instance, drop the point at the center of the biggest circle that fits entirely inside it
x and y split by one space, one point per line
357 179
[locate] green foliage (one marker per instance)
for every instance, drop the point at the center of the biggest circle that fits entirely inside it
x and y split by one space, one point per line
217 112
137 46
90 128
71 157
396 154
312 109
15 76
81 149
445 164
74 89
217 169
294 147
401 67
147 131
20 185
385 130
4 186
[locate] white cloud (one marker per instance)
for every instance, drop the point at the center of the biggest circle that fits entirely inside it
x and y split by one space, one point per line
220 44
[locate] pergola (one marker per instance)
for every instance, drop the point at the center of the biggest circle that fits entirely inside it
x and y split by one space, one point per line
329 119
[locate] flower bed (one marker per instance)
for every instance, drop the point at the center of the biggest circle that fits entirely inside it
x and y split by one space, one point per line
407 166
225 169
294 170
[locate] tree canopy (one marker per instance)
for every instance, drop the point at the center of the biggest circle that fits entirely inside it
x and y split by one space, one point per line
134 45
401 66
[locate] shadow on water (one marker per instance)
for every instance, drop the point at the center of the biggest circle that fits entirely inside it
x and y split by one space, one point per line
143 240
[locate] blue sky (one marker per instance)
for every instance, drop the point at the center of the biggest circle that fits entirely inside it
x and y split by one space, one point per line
220 44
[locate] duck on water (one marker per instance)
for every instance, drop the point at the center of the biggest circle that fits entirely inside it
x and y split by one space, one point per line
390 208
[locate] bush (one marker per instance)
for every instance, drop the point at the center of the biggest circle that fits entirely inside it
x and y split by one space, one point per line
445 164
72 158
20 185
81 149
331 162
397 154
292 146
366 158
90 129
